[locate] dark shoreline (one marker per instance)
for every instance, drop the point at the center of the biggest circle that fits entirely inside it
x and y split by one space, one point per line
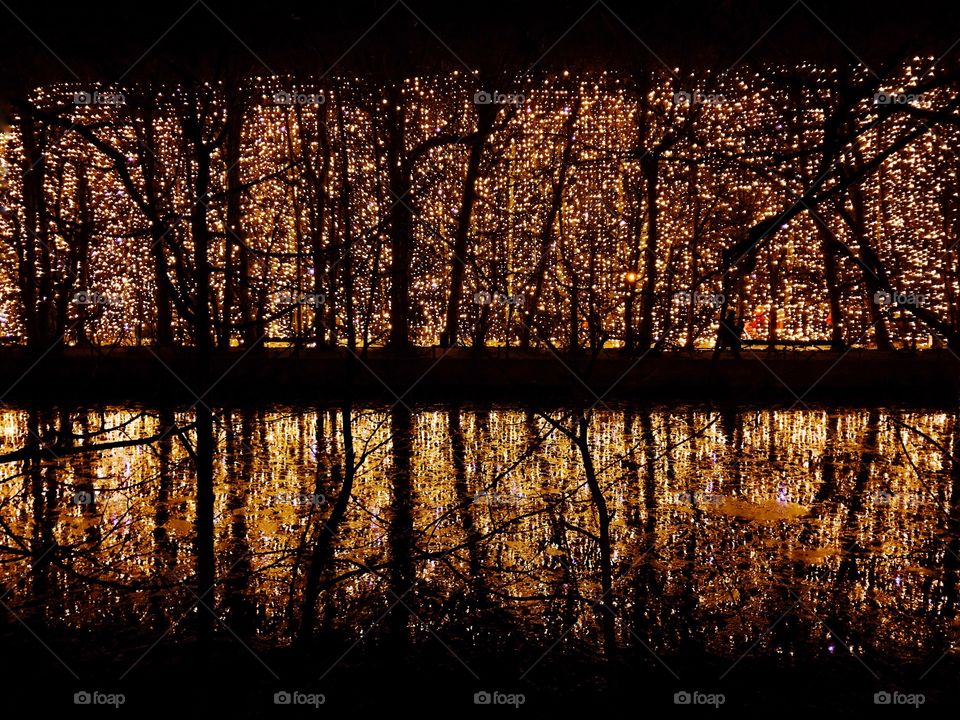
236 679
432 374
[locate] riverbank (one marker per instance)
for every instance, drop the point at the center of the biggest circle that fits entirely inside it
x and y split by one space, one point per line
244 680
141 374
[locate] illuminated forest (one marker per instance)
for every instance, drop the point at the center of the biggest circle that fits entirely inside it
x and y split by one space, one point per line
499 530
400 356
567 210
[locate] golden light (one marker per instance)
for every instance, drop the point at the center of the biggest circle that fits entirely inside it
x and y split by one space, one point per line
601 227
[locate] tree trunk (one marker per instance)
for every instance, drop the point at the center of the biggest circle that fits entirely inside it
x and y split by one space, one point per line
399 223
34 265
486 115
650 165
828 242
870 266
201 237
346 220
531 311
234 283
163 330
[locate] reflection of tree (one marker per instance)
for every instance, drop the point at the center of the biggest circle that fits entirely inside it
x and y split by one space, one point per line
949 507
400 534
578 434
851 568
206 562
341 482
951 559
513 526
647 578
165 547
466 501
41 483
240 608
687 640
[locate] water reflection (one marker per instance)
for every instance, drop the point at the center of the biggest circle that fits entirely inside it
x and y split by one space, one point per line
674 529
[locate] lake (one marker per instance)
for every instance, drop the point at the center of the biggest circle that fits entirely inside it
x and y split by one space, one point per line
557 554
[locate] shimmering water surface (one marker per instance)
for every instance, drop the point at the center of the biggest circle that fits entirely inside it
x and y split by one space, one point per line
659 528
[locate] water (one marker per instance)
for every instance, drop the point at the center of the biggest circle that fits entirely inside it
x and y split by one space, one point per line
789 537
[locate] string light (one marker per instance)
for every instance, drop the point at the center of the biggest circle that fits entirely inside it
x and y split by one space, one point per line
709 194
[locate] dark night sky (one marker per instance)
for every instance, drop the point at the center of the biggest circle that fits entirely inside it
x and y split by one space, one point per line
102 40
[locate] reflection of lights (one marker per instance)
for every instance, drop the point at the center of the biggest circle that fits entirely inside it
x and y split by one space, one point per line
517 522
